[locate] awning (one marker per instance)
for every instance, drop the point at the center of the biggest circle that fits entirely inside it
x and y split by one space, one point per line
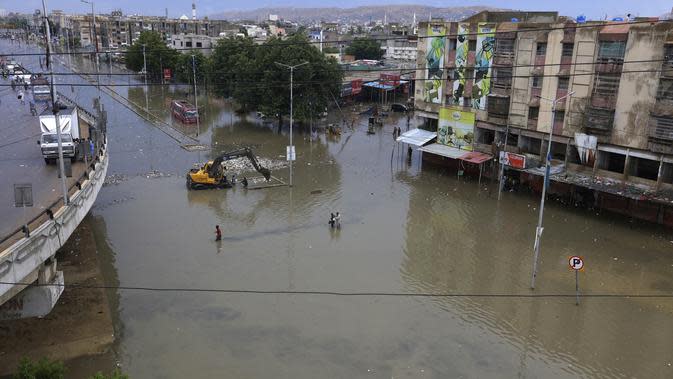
378 85
417 137
455 153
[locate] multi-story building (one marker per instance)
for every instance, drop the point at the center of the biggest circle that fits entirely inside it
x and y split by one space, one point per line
116 29
487 84
401 49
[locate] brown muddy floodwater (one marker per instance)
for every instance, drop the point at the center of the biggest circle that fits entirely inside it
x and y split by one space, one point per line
406 228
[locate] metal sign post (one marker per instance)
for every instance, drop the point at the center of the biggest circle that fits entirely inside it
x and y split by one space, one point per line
576 263
23 197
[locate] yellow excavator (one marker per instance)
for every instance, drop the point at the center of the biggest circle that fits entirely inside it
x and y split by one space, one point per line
211 174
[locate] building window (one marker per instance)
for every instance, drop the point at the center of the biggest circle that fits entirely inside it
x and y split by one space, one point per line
199 44
533 113
606 85
541 48
467 101
537 81
611 49
472 45
559 117
188 44
563 83
567 50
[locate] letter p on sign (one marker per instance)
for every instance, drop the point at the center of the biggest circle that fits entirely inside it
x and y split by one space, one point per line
576 263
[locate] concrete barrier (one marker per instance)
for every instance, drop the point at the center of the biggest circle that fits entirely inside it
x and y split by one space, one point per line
32 260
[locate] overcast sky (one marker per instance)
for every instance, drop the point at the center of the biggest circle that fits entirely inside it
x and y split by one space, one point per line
596 9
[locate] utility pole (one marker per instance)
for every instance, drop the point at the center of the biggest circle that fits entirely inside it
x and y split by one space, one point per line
55 107
145 72
539 228
291 106
95 41
502 162
196 99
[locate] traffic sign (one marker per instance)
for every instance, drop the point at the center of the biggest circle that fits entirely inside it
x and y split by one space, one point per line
576 263
290 153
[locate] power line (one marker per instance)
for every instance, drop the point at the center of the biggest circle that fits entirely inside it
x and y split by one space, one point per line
284 85
341 293
279 42
393 69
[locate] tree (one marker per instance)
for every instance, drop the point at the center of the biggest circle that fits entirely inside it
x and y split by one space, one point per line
183 67
42 369
232 58
315 84
249 73
365 48
158 55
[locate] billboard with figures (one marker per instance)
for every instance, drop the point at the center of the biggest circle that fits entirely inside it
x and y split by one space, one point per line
434 63
456 127
462 47
483 65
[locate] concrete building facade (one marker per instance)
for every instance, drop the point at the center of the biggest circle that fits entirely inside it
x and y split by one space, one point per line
498 67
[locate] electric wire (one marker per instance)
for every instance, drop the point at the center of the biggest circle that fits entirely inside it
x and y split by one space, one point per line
280 42
340 293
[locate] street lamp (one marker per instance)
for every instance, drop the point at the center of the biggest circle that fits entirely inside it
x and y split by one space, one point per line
291 151
539 229
95 41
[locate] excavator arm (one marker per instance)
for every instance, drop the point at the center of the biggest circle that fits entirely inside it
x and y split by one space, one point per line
216 167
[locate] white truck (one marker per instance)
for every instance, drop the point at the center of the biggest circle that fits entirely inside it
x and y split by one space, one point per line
72 130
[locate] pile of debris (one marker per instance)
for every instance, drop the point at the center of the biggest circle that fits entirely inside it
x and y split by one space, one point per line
243 164
114 179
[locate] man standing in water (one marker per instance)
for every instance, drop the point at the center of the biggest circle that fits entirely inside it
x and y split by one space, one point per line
218 233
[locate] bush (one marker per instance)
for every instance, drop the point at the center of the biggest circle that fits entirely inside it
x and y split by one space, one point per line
115 375
42 369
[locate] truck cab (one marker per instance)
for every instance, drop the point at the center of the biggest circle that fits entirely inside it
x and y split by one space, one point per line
72 130
49 146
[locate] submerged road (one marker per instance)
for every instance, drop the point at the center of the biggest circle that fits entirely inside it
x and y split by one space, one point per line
407 228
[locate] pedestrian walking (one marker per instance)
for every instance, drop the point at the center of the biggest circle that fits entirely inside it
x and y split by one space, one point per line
331 220
218 233
91 147
25 86
337 220
13 85
245 182
20 97
33 110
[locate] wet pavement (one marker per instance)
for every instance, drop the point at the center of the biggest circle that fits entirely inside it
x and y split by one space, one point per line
406 228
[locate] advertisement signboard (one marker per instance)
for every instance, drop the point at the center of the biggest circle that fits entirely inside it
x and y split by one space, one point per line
456 127
513 160
434 63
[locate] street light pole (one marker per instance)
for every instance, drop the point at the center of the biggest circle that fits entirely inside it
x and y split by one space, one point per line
196 99
291 109
145 72
55 108
539 228
95 41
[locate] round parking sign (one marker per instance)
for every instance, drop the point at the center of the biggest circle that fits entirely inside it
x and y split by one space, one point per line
576 262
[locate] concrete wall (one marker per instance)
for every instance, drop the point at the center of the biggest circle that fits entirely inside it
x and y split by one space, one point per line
550 82
638 90
521 82
584 54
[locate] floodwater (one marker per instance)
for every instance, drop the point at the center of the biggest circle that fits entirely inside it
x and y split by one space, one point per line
407 227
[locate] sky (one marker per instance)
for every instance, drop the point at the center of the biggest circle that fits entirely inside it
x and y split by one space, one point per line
594 9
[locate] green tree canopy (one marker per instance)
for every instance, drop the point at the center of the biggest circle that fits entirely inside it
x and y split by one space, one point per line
365 48
250 74
157 54
183 67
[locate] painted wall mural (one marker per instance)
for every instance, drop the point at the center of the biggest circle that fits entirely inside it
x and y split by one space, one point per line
462 47
435 49
483 65
456 127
